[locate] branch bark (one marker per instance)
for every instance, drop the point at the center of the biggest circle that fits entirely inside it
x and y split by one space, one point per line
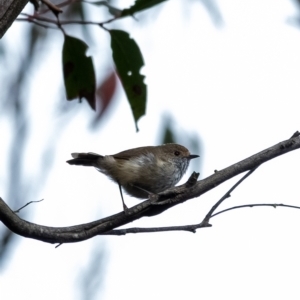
9 11
150 207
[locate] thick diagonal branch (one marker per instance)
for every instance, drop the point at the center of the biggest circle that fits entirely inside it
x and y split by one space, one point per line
10 9
149 207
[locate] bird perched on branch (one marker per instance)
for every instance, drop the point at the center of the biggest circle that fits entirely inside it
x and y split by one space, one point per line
140 171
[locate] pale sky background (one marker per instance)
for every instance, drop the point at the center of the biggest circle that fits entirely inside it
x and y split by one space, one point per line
236 87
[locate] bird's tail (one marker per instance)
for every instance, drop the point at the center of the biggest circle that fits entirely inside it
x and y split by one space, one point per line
84 159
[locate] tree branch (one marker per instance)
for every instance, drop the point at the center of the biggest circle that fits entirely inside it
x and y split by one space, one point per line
274 205
150 207
227 195
9 10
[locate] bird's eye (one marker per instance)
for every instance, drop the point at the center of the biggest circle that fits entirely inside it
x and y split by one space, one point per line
177 153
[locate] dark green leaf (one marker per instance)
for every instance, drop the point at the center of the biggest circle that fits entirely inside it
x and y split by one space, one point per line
168 135
112 10
140 5
78 69
129 61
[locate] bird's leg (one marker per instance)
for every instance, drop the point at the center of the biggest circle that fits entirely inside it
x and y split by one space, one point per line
124 205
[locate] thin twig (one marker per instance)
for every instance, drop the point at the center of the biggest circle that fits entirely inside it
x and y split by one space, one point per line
18 210
226 195
37 23
189 228
43 19
54 8
274 205
69 22
47 20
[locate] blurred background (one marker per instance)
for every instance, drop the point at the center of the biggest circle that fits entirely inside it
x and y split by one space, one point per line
223 80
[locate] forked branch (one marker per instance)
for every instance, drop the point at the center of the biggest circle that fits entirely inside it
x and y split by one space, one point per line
150 207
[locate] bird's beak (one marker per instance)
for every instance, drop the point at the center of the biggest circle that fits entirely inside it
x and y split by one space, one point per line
191 156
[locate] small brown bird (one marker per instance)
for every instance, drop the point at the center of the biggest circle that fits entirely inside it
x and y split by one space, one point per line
140 171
